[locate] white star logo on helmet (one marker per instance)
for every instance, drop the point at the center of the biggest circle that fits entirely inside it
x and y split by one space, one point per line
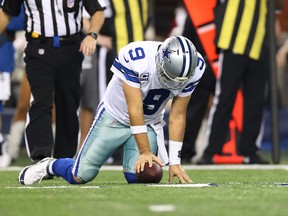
167 52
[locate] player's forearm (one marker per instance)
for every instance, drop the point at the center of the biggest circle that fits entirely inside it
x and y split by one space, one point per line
177 127
176 134
142 142
4 20
139 129
177 118
136 117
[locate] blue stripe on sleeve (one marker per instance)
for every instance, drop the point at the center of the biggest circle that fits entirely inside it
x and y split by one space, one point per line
129 74
189 88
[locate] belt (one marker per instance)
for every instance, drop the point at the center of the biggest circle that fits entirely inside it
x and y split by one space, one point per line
55 41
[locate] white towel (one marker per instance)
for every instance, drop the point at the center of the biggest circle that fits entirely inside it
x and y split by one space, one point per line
162 152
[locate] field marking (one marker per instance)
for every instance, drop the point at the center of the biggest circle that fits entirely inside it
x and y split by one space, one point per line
162 208
180 185
54 187
191 167
193 185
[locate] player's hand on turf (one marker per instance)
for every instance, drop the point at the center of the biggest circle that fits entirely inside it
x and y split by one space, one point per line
177 170
144 157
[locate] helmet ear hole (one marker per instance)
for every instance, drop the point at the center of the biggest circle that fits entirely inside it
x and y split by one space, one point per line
176 61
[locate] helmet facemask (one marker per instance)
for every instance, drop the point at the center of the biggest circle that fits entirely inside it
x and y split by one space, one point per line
169 82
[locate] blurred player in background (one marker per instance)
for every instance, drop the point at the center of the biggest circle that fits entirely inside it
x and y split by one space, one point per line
7 64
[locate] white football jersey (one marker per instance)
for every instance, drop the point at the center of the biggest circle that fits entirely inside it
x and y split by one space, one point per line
136 66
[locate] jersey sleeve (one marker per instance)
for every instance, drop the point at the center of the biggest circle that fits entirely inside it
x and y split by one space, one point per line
17 23
123 68
201 66
93 6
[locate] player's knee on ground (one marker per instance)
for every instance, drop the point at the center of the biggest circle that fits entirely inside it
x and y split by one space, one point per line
74 180
131 178
88 175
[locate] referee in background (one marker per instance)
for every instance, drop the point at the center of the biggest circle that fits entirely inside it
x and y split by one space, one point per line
241 38
53 58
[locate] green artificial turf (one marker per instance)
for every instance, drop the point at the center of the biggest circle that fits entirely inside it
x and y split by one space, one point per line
238 192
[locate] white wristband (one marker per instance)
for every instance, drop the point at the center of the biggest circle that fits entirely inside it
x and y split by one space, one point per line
138 129
175 152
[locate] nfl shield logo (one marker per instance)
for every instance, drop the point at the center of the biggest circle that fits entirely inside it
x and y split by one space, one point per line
70 3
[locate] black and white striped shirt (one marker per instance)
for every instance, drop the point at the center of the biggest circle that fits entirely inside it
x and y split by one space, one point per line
53 17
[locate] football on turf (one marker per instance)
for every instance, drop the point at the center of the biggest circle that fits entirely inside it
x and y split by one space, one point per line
152 174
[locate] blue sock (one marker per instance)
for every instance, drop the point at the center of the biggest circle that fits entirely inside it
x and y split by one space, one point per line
63 167
131 178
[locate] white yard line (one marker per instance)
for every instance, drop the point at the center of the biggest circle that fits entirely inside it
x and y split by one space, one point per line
236 167
162 208
53 187
180 185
